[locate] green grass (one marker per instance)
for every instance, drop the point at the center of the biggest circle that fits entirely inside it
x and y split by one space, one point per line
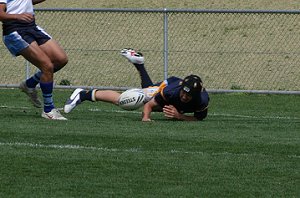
247 147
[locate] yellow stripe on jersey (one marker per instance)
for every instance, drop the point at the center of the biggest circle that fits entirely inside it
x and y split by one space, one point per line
162 86
151 91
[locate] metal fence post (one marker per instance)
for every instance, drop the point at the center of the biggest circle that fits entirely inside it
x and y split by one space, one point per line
27 69
166 43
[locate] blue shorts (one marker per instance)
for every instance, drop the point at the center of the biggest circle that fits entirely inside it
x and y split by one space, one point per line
22 38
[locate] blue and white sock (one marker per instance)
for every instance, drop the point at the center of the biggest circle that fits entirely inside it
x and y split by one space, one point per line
34 80
47 89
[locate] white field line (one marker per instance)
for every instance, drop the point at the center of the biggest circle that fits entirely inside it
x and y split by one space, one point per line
130 150
210 114
20 108
257 117
11 107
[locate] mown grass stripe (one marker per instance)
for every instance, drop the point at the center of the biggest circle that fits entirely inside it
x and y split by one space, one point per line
129 150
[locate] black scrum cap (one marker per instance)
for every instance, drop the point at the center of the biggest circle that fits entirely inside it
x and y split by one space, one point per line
192 84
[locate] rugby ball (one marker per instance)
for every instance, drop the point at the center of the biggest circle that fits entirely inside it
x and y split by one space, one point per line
132 99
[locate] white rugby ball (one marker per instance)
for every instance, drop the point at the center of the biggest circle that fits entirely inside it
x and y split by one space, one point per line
132 99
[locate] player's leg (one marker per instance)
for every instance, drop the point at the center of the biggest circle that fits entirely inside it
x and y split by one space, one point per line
80 95
56 54
35 55
107 96
137 60
29 87
15 43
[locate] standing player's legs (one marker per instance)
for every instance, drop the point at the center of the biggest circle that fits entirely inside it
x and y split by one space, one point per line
35 55
56 54
58 58
137 60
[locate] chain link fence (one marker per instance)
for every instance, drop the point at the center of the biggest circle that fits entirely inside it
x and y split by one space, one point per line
230 50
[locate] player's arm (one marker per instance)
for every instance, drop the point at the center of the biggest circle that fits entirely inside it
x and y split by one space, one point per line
26 17
3 15
148 108
171 112
37 1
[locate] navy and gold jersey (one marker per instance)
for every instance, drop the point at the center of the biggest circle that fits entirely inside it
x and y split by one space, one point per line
169 94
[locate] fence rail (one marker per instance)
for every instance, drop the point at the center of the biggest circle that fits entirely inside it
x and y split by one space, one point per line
254 51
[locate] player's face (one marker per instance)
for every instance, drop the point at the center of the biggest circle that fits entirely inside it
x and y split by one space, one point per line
184 97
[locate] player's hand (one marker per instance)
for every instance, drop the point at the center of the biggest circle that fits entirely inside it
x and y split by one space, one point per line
146 117
146 120
171 112
26 17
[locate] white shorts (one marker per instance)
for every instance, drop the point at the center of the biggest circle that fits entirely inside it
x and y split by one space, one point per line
150 92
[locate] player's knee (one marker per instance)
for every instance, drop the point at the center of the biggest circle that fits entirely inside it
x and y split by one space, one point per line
46 66
63 61
48 69
60 63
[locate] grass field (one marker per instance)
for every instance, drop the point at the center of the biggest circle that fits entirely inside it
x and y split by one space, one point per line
249 146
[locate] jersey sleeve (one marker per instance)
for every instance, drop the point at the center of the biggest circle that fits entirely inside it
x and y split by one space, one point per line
160 100
202 110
